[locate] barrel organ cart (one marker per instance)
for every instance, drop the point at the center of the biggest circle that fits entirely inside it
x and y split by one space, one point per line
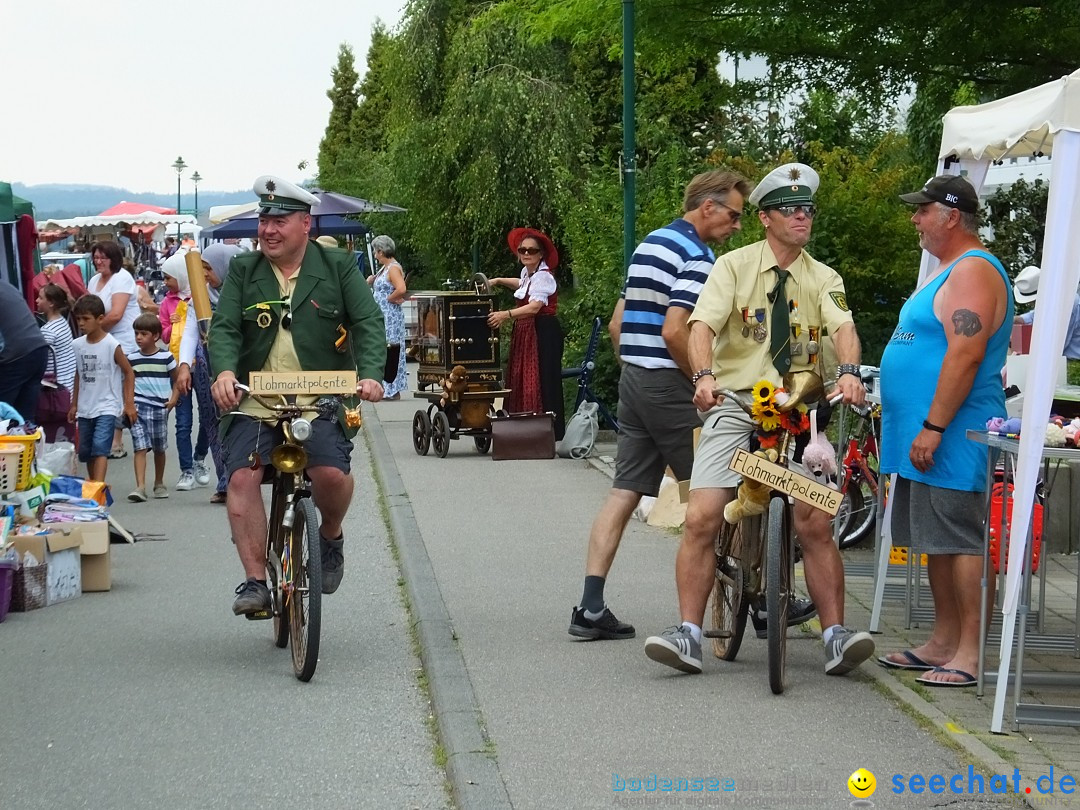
459 375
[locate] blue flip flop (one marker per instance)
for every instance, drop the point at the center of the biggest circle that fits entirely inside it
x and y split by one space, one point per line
911 661
969 679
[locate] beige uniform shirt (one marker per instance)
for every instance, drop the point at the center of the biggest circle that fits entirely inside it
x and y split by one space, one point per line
282 355
734 303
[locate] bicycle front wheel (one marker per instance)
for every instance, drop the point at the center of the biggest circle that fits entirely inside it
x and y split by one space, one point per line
304 599
729 608
779 574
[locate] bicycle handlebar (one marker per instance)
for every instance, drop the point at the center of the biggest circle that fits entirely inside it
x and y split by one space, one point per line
284 406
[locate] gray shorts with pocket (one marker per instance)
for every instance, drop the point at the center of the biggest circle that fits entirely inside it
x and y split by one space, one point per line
657 419
935 520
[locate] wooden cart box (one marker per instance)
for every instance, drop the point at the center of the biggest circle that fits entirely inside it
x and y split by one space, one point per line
453 331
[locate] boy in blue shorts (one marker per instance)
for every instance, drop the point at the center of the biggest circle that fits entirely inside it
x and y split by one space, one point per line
155 395
104 386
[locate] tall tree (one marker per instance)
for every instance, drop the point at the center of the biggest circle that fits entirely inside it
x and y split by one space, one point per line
343 96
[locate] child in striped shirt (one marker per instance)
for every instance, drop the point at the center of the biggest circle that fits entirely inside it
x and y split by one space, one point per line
155 395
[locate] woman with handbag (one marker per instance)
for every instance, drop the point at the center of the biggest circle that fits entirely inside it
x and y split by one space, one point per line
534 369
56 385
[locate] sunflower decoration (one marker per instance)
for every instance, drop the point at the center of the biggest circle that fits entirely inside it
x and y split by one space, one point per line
764 392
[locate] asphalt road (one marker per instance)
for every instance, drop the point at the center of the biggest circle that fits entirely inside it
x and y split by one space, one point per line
569 722
156 695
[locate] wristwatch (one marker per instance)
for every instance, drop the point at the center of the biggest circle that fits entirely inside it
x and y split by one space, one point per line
697 375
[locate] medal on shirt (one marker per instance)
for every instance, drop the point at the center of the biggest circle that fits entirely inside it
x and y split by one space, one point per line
760 332
264 320
812 345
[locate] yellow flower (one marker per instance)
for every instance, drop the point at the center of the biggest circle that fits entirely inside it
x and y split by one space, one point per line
763 391
767 415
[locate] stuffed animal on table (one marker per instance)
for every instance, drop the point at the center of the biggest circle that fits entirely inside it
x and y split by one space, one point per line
454 385
1055 436
753 496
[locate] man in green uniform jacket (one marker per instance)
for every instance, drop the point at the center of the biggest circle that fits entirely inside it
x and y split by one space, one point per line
294 305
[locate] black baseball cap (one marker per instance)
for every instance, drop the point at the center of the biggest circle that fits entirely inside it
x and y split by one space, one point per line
950 190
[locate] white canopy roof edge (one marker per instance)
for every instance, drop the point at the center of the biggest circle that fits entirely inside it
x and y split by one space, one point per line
221 213
145 218
1044 119
1019 125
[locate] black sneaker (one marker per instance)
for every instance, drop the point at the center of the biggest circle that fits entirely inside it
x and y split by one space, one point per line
607 626
333 563
251 597
799 611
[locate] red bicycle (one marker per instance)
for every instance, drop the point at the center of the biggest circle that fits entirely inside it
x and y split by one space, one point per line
859 480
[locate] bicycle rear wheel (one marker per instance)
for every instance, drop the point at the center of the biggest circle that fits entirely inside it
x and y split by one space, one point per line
304 599
858 511
779 574
729 608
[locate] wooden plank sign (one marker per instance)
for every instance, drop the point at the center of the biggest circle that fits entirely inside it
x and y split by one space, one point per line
798 486
304 383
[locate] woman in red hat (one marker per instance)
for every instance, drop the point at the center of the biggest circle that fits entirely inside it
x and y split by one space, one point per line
534 370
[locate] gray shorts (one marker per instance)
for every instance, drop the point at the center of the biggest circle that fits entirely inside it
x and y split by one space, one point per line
726 429
247 438
657 420
935 520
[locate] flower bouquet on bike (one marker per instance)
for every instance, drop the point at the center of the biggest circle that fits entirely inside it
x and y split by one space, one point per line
755 551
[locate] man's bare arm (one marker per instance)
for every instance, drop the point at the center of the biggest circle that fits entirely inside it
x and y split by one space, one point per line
614 326
676 336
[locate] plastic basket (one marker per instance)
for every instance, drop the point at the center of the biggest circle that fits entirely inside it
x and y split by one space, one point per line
15 473
995 524
898 555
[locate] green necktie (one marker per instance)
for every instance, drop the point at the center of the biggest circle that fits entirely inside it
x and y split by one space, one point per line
780 326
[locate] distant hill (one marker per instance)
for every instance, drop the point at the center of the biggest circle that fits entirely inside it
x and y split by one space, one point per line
60 201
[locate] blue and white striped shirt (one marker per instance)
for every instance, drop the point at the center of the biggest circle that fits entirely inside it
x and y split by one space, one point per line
153 378
668 269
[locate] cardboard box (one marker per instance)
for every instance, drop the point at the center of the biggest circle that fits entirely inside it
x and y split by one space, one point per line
96 555
60 552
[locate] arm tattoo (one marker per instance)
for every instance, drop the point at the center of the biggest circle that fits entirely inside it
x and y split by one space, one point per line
966 323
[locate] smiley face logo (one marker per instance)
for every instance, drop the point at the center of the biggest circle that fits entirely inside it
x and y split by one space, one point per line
862 784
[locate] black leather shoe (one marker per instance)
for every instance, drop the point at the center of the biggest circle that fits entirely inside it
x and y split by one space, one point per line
607 626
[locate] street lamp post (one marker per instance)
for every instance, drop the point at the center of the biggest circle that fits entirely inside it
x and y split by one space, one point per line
179 165
195 178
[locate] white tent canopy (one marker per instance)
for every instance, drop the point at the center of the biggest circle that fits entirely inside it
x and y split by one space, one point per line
146 218
221 213
1046 120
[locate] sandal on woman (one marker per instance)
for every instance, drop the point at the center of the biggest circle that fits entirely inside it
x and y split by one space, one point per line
218 497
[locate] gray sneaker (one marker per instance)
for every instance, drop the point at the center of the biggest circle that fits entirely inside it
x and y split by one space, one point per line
251 597
333 563
202 472
186 482
676 648
846 650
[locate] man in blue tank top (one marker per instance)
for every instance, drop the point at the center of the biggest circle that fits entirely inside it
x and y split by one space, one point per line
940 377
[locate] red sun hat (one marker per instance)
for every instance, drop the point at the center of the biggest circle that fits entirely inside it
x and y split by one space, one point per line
551 255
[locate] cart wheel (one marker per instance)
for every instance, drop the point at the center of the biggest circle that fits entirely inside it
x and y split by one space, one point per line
421 433
481 284
440 434
483 444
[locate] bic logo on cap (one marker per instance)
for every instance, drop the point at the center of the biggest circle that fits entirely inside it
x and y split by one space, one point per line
952 198
862 784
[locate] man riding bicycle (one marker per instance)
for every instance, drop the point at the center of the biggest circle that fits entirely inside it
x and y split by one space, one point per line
293 305
764 311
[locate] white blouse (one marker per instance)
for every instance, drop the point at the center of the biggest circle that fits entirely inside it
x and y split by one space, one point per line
536 287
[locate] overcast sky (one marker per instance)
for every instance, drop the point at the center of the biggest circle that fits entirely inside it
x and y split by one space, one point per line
110 93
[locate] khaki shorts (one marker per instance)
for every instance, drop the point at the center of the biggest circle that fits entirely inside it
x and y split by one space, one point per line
726 429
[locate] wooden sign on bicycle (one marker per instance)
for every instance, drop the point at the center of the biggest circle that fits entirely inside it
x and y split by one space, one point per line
304 383
798 486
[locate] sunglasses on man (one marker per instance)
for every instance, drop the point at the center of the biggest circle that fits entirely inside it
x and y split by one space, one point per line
788 211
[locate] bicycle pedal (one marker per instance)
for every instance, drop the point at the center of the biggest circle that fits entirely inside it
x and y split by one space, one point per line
259 614
716 633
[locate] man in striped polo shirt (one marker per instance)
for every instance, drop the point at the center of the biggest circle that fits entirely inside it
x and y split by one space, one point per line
657 416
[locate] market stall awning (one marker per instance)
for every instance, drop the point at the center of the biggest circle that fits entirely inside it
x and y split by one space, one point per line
126 207
144 218
1017 126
